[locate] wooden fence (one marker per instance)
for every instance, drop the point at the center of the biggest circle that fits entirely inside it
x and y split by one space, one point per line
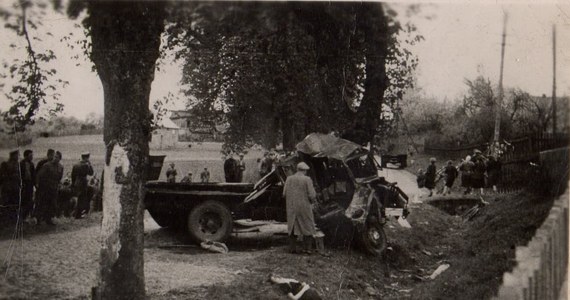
542 265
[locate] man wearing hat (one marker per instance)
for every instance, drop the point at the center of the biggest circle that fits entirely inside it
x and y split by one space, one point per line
299 194
10 182
79 182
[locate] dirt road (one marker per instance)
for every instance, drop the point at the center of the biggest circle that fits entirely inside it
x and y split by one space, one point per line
406 181
62 261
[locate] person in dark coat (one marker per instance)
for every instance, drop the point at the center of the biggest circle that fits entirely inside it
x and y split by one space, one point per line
79 182
466 169
231 169
28 175
479 169
48 180
430 176
49 157
493 172
450 175
10 184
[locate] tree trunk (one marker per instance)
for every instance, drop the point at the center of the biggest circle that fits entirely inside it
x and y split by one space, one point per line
376 35
125 45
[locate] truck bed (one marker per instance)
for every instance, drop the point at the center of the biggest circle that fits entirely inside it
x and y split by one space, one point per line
198 188
174 196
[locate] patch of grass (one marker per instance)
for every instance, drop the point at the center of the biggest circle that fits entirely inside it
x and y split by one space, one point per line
485 247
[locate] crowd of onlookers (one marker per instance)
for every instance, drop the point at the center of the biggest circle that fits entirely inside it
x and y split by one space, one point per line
35 193
234 168
478 172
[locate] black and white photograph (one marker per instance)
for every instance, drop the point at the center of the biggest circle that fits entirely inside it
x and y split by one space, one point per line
303 150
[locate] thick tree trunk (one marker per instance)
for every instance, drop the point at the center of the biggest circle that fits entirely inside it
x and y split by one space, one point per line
376 35
125 45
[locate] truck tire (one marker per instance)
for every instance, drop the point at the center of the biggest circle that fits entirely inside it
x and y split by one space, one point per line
373 238
210 221
162 219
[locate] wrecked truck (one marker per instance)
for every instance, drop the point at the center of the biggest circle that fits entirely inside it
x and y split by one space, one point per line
353 202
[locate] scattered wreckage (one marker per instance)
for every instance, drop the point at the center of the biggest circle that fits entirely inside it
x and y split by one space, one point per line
353 202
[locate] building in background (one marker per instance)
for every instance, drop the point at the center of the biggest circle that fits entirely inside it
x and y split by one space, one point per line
166 134
195 129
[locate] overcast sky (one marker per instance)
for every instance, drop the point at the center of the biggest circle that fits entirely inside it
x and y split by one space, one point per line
461 41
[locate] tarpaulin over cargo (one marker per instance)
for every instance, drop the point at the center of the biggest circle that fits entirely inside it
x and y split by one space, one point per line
324 145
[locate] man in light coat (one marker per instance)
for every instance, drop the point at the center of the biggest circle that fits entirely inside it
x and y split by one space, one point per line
299 194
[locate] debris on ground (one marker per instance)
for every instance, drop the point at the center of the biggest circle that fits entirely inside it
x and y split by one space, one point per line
215 247
439 270
404 223
371 291
176 246
295 290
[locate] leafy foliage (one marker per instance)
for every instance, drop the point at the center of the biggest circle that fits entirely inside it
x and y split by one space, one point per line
471 121
277 71
34 84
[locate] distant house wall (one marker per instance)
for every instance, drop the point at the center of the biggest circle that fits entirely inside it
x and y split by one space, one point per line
192 130
181 122
164 138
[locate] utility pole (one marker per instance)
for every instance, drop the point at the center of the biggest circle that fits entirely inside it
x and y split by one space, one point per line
499 103
554 79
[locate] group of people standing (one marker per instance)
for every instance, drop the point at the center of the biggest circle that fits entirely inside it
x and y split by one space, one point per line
31 191
477 173
171 174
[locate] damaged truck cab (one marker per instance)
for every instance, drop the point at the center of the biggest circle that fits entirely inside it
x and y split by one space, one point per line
353 202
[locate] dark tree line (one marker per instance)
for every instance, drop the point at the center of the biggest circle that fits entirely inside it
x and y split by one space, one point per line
277 71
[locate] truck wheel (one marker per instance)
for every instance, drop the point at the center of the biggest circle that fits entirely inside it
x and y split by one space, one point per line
210 221
373 238
162 219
